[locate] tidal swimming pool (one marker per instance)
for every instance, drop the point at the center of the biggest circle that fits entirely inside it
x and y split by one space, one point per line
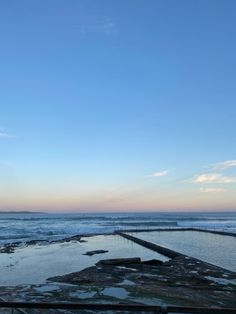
217 249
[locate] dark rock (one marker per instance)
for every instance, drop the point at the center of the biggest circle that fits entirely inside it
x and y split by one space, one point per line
7 249
75 238
89 276
181 281
90 253
16 244
120 261
34 242
153 262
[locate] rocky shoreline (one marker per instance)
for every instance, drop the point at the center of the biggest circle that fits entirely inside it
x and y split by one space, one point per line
181 280
11 247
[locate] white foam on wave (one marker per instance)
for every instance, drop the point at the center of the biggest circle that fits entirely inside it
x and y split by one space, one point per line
22 227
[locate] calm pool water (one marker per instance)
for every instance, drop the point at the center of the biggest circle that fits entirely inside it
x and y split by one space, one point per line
216 249
34 264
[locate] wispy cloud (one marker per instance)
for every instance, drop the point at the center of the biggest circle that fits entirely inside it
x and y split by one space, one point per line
211 190
162 173
207 178
5 135
224 165
104 27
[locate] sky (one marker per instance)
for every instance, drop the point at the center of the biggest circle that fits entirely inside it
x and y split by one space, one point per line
125 105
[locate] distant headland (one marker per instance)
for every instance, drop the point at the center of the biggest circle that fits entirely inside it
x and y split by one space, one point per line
20 212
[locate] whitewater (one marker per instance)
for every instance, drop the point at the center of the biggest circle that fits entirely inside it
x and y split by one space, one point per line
23 227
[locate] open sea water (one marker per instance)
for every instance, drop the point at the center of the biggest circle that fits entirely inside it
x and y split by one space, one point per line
23 227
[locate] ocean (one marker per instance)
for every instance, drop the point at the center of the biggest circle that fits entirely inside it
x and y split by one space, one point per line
23 227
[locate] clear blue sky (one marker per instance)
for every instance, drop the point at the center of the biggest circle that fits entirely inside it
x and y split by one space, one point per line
118 105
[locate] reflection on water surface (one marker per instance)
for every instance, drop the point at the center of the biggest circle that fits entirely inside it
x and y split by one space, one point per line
213 248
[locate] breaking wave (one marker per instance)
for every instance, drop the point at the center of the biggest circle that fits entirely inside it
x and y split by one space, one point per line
22 227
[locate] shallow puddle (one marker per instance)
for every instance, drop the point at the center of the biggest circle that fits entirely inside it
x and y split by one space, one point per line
115 292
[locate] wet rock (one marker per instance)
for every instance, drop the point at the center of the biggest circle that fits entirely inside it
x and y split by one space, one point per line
180 281
16 244
90 253
7 249
10 247
69 239
34 242
89 276
120 261
153 262
75 238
